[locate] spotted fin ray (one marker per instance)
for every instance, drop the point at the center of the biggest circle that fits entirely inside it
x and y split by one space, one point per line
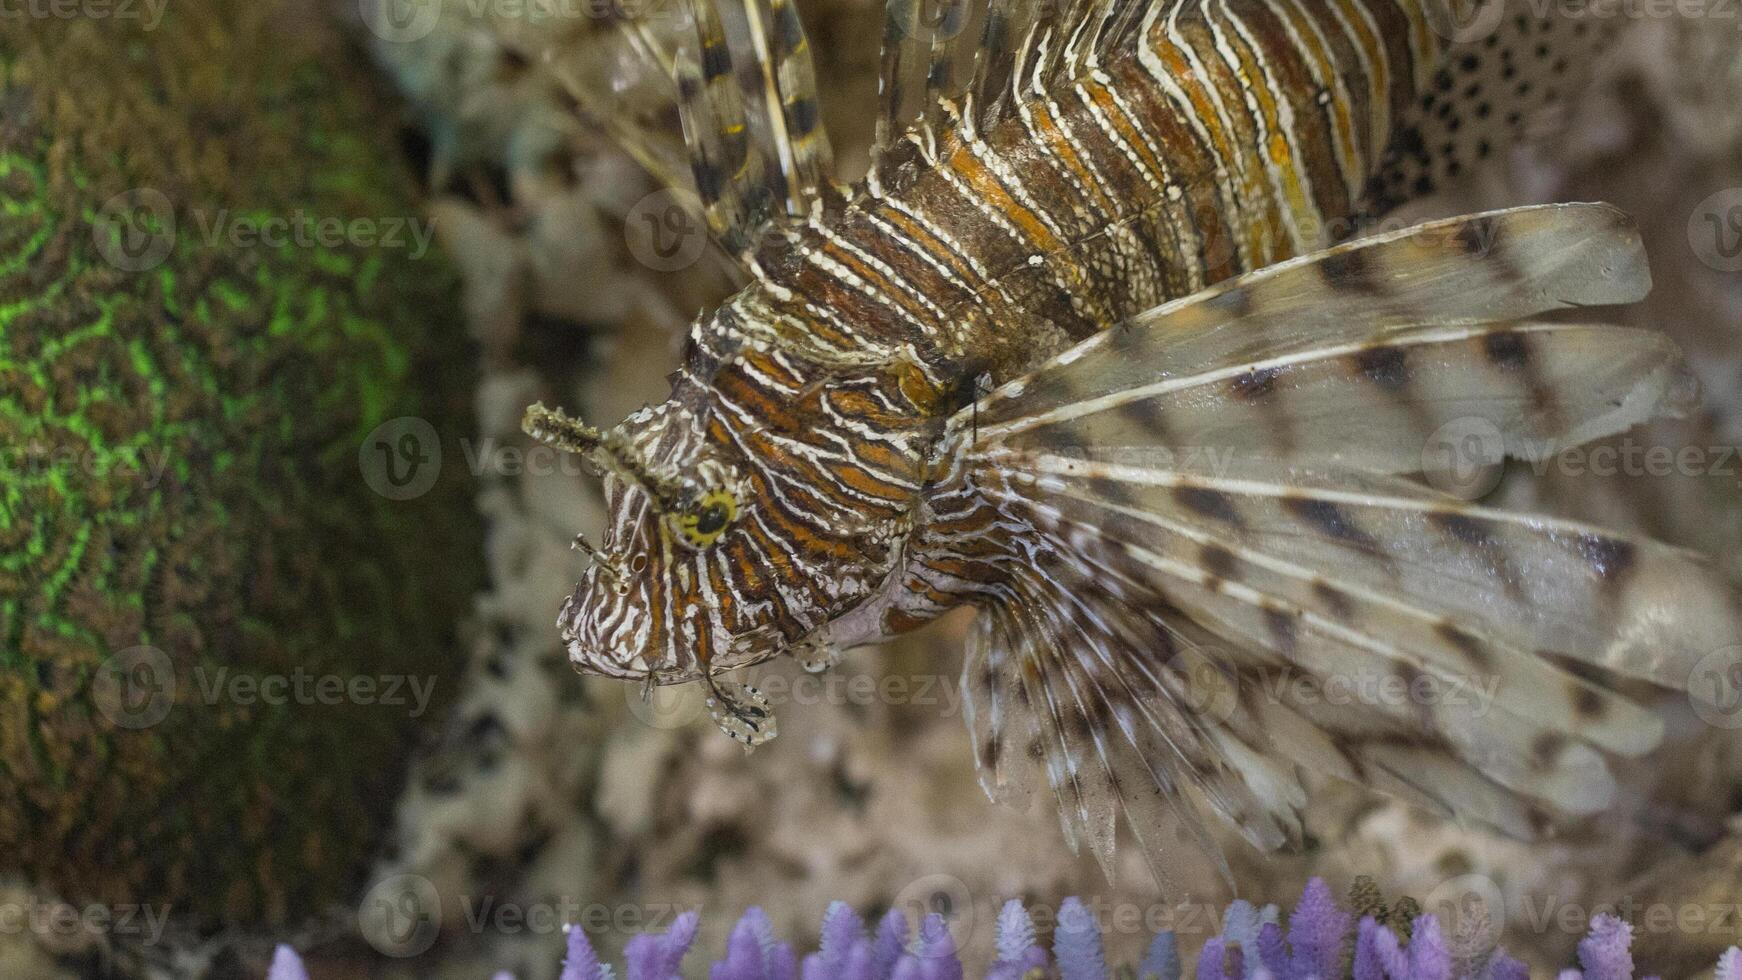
1169 644
1358 354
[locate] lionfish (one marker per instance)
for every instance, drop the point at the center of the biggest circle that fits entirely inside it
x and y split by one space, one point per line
1096 237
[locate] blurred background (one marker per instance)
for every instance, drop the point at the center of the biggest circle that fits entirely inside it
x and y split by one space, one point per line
279 573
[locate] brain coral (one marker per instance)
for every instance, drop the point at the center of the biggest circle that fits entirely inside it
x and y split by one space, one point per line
217 638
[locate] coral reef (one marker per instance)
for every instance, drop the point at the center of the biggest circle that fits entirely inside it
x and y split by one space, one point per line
229 599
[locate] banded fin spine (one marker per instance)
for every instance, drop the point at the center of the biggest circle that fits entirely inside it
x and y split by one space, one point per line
1302 563
966 66
743 85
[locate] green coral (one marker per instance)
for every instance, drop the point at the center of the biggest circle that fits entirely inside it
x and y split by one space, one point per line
181 464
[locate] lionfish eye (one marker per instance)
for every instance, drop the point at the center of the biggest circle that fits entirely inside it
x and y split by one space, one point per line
703 523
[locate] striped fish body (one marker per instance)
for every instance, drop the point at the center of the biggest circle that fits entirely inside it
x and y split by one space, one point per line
1201 141
1118 237
1137 152
1208 140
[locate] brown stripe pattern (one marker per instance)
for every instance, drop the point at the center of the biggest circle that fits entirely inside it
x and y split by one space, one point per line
1196 141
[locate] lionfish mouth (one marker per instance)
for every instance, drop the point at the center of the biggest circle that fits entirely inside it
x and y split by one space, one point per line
590 659
755 646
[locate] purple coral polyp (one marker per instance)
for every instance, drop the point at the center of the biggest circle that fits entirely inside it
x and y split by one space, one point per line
1321 942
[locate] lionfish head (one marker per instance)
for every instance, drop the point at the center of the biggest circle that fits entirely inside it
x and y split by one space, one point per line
712 561
661 601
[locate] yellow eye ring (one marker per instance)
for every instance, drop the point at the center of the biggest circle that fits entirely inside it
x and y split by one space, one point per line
704 523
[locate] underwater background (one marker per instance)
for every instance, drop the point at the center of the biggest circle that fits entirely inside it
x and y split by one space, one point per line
278 569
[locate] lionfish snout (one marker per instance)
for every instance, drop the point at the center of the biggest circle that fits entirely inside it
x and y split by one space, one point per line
606 631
